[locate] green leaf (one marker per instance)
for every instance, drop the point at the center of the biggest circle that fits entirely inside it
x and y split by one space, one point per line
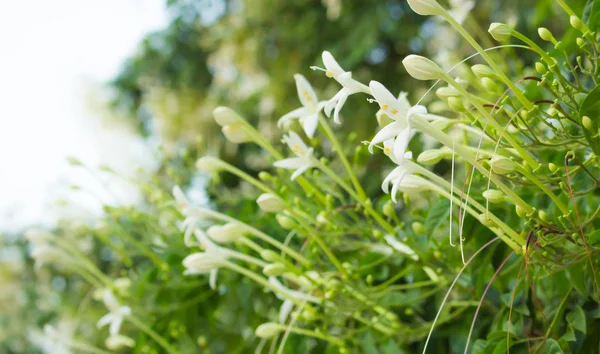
591 14
576 318
590 107
437 215
552 347
569 335
577 278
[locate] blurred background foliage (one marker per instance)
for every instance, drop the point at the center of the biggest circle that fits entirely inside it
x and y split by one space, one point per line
243 54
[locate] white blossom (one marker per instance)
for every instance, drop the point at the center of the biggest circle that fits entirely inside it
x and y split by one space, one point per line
308 114
116 313
304 155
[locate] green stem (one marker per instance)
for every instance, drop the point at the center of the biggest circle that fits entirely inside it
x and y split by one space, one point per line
157 337
563 208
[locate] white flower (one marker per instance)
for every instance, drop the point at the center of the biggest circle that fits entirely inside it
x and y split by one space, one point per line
349 86
400 247
270 203
187 209
208 261
308 114
53 340
117 342
400 111
288 305
227 233
117 313
304 155
402 179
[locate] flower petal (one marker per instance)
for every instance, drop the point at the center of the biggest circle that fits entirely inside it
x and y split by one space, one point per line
388 102
388 132
340 104
396 185
106 319
285 310
115 326
331 64
212 280
385 185
291 163
296 113
401 143
310 123
299 171
306 94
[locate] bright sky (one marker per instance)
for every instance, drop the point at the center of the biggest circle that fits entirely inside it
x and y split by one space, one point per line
51 54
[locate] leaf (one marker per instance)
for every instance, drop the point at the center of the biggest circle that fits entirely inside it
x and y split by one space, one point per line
576 318
569 335
576 278
590 107
591 14
552 347
437 214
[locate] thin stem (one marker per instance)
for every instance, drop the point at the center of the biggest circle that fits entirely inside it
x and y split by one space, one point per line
157 337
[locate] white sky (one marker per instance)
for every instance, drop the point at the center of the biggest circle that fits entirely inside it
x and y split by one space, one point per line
51 53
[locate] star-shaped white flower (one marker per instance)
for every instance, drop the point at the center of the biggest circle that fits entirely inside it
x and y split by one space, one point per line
209 261
117 313
308 114
349 86
402 179
304 155
400 111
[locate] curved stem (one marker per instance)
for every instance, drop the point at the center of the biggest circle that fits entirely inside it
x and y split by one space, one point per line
157 337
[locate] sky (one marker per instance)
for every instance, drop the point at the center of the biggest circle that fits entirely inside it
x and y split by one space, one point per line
54 58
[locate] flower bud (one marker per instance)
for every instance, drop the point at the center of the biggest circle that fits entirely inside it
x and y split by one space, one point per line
270 203
587 123
236 133
116 342
482 71
268 330
388 209
580 42
426 7
202 262
543 215
419 228
521 212
208 164
540 68
226 116
227 233
422 68
456 104
500 31
485 220
502 165
274 269
445 92
285 221
489 84
493 196
546 35
552 167
265 176
270 256
431 157
576 22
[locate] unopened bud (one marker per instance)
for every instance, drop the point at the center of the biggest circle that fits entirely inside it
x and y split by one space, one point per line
580 42
587 123
502 165
274 269
540 68
445 92
456 104
268 330
482 71
270 203
418 228
388 209
422 68
500 31
489 84
520 211
236 133
227 233
270 256
576 22
544 216
264 176
426 7
226 116
431 157
285 221
546 35
552 167
493 196
208 164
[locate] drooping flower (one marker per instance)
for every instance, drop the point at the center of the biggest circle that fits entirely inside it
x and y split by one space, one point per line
209 261
191 219
304 155
400 111
349 86
117 313
308 114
